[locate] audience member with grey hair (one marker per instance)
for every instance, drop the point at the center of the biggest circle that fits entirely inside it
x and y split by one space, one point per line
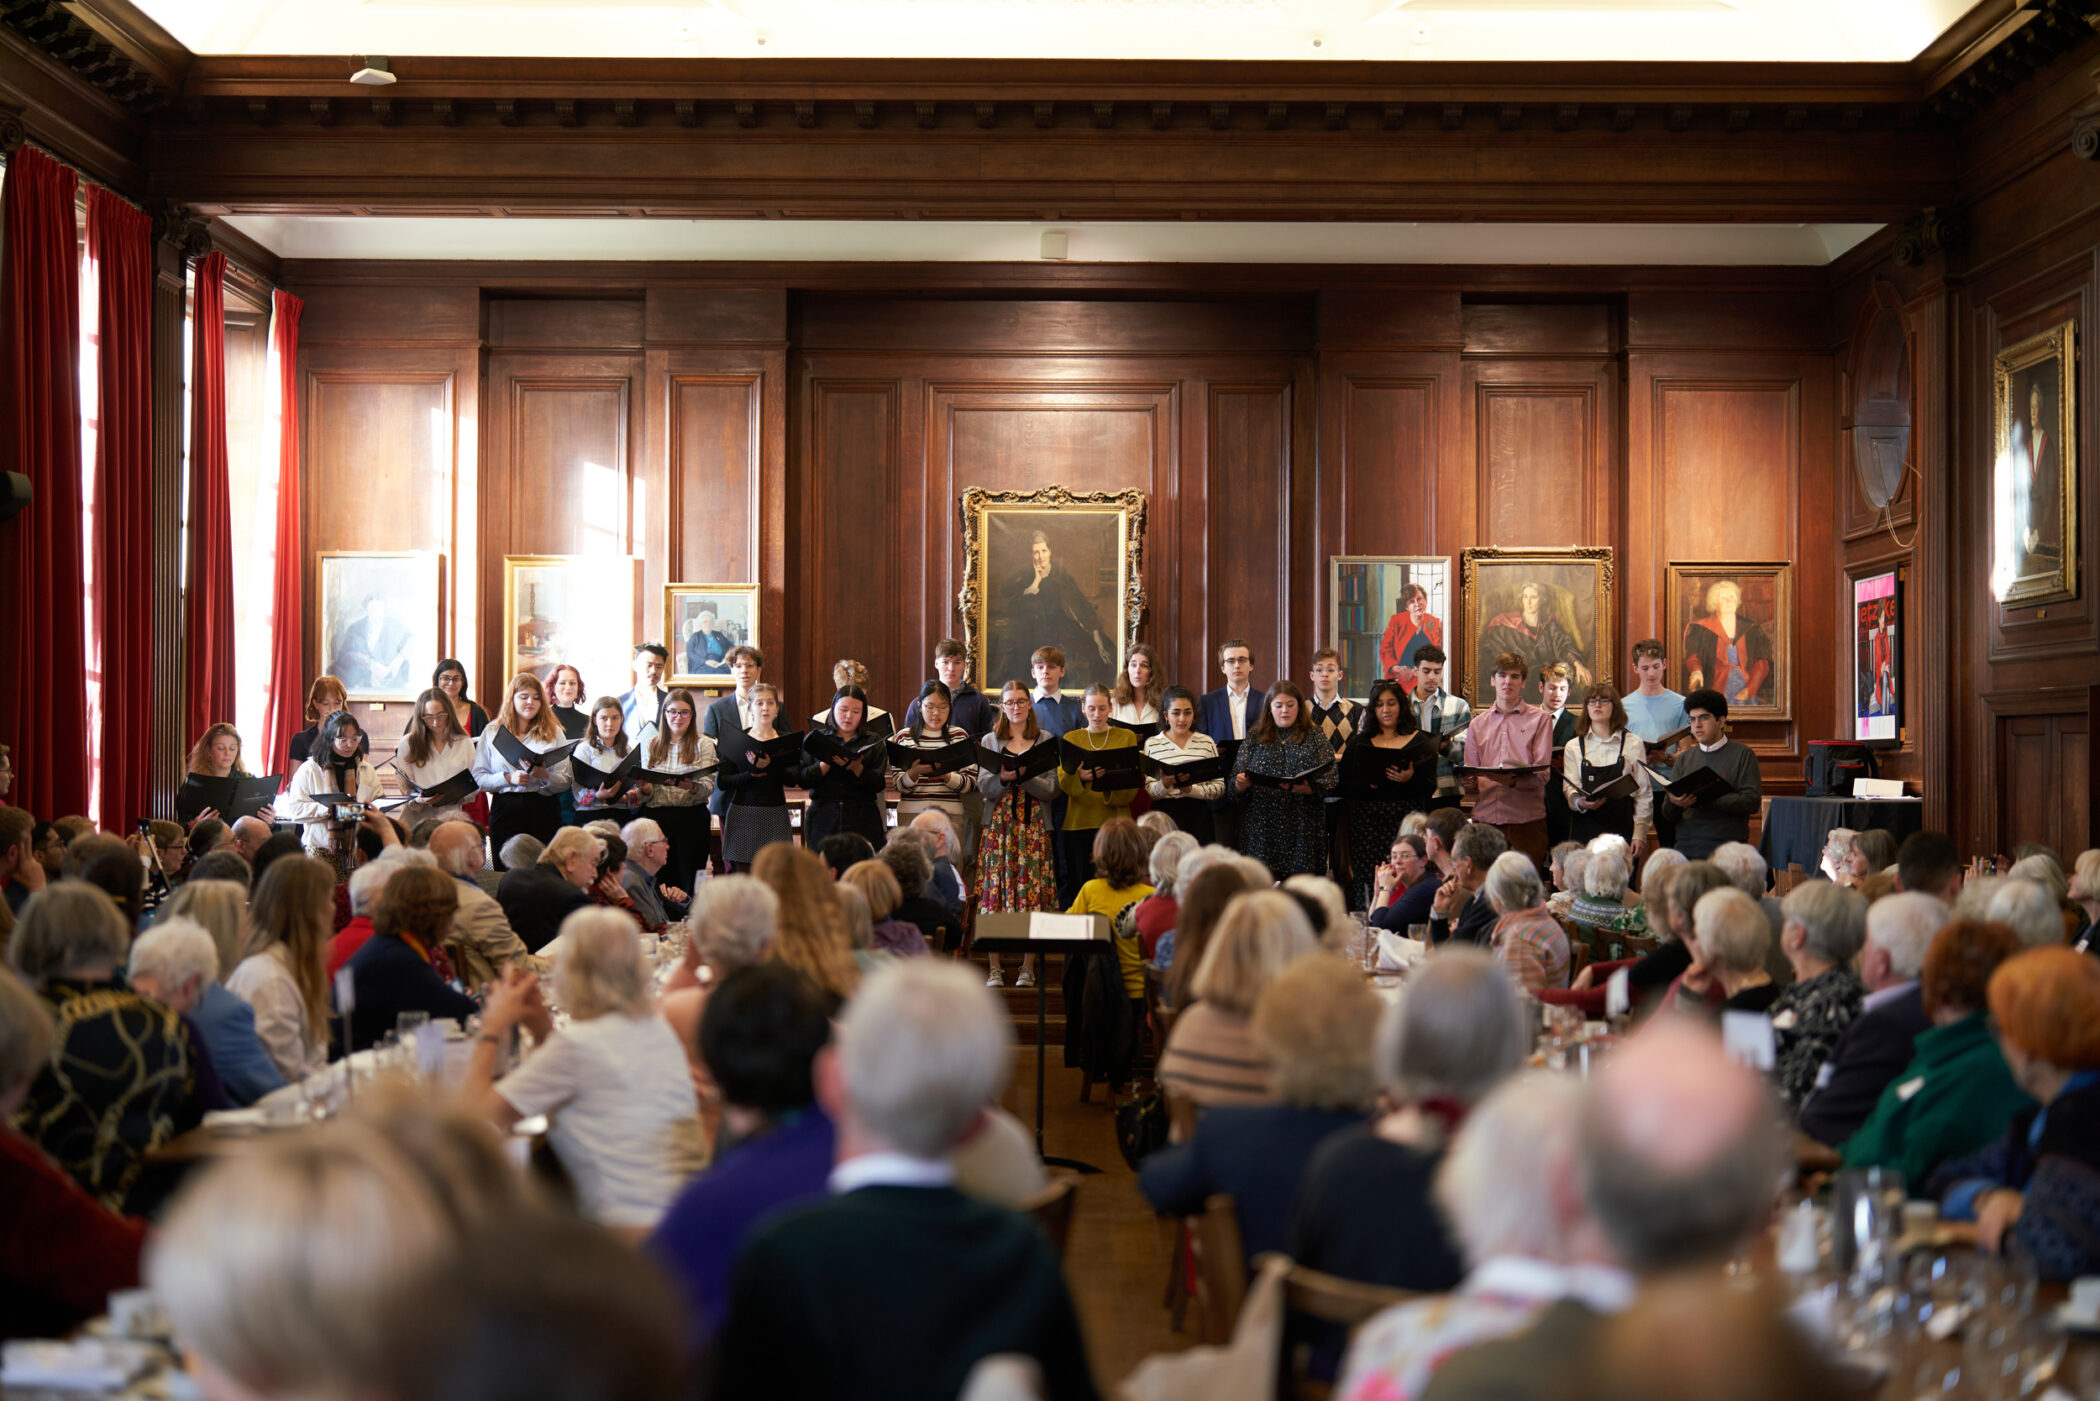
627 1113
2028 907
2044 869
178 963
731 926
1974 901
944 846
173 962
1730 942
1332 928
647 850
483 943
1460 910
218 905
1882 1040
1824 927
1746 870
1365 1210
521 850
1528 941
1599 910
922 1049
1511 1190
2083 890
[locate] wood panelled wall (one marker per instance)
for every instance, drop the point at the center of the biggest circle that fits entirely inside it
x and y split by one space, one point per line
818 441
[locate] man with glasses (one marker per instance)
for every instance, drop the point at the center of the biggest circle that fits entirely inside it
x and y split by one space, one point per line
647 850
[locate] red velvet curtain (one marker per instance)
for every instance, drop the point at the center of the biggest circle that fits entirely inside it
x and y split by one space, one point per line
120 243
43 635
287 709
208 608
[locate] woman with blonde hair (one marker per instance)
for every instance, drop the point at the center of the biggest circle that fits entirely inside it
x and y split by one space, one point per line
1211 1056
2083 890
811 931
220 906
217 754
283 969
527 799
615 1080
878 885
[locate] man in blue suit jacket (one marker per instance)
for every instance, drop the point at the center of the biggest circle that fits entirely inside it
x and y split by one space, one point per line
1237 700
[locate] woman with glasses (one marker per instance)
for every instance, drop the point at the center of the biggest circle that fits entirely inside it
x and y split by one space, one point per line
523 799
680 806
434 750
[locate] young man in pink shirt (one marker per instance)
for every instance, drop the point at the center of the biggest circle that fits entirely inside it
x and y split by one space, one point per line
1511 732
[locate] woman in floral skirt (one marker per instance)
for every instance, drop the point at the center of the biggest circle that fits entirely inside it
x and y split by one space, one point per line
1015 871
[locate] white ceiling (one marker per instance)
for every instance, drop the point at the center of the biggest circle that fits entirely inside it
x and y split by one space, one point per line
1571 30
1796 245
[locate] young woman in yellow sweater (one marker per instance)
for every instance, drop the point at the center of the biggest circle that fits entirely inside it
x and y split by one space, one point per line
1087 808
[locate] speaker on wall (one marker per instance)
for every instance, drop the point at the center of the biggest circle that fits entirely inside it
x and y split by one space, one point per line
14 494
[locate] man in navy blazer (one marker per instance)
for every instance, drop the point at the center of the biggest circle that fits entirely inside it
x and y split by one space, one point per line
1877 1046
1238 698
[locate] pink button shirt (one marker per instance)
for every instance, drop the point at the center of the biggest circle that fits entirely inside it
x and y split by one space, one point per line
1520 736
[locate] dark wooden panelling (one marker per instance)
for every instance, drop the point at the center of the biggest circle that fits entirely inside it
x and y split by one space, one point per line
1386 461
1533 463
713 476
715 317
1249 469
563 323
373 437
568 466
1041 327
1431 317
846 579
1709 320
390 314
1729 458
1499 328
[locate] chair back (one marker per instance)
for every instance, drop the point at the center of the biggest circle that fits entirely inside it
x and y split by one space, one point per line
1221 1268
1312 1297
1052 1210
1578 958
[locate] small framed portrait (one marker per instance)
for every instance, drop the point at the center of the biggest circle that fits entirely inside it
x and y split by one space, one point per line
1877 656
378 621
702 624
1544 605
1051 568
1733 627
1382 610
2034 500
581 610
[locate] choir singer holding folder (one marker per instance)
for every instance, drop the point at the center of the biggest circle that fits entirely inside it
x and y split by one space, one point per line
1511 734
1596 768
513 765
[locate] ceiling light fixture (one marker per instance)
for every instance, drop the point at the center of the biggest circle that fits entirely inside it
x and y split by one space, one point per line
372 70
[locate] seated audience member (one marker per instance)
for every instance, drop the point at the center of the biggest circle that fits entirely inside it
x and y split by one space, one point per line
615 1081
1876 1047
1707 1336
1565 879
392 972
122 1077
1723 815
1677 1159
1211 1056
489 1321
1928 864
2029 910
1528 942
2039 1184
1957 1093
1409 871
175 964
908 860
1822 930
274 1263
366 882
1460 909
1509 1190
1313 1028
1730 939
111 866
647 850
520 850
841 850
227 865
810 930
1364 1211
1872 851
1746 869
606 892
1326 906
759 1039
920 1052
283 971
483 943
538 897
1119 864
1655 870
21 874
61 1251
1213 883
2084 891
1155 916
946 887
1599 911
887 934
223 1021
1671 894
210 835
730 927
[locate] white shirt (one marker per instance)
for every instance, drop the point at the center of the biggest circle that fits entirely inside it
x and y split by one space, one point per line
1045 693
264 981
1710 748
890 1170
744 701
298 805
1134 714
1236 702
621 1094
492 770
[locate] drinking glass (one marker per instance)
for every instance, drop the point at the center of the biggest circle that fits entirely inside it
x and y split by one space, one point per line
408 1024
1866 1217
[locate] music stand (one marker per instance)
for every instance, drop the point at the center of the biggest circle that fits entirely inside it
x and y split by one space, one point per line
1008 933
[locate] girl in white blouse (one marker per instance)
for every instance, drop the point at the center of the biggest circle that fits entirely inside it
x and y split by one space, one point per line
1136 697
528 799
1180 742
681 808
434 750
1603 748
335 766
603 747
283 970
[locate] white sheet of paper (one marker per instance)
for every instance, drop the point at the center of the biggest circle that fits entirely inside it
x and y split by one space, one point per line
1618 994
345 990
1397 951
430 1049
1748 1038
1047 926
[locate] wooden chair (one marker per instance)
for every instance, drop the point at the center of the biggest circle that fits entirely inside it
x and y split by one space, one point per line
1312 1297
1578 957
1181 1122
1052 1209
1221 1268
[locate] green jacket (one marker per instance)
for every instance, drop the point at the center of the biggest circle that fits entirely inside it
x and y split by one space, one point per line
1954 1097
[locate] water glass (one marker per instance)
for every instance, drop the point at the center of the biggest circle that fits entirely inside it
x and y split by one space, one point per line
1866 1218
408 1024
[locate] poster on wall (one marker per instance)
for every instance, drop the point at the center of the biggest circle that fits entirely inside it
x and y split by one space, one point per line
377 618
1732 626
573 609
703 623
1877 652
1382 610
1546 606
1051 568
2034 506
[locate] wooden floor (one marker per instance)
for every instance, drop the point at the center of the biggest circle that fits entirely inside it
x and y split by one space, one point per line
1116 1262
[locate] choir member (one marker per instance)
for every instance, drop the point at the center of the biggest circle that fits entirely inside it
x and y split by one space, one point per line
217 754
1015 874
323 699
1602 750
523 800
1284 828
434 749
680 807
1180 742
337 765
565 690
1136 697
1375 812
919 791
1087 807
844 797
757 814
603 746
451 678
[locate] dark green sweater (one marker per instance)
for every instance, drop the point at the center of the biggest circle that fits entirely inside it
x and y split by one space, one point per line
895 1292
1726 816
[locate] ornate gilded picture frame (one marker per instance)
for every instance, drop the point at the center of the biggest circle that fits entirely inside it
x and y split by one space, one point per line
1545 605
575 609
2034 500
1730 626
702 623
1051 568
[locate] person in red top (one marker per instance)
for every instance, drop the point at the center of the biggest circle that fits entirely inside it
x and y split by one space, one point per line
61 1251
1411 629
365 886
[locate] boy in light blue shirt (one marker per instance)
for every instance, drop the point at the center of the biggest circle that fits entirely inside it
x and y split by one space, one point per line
1653 710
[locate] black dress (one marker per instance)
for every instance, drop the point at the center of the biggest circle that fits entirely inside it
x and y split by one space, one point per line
1375 809
840 802
756 813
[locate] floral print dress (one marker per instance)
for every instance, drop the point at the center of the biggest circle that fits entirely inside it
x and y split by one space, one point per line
1287 832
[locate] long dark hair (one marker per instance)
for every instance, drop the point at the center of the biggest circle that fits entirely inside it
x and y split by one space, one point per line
931 688
324 746
1408 723
688 751
466 685
421 744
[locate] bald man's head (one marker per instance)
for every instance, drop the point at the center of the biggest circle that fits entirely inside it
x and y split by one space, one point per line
456 846
1681 1150
249 833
